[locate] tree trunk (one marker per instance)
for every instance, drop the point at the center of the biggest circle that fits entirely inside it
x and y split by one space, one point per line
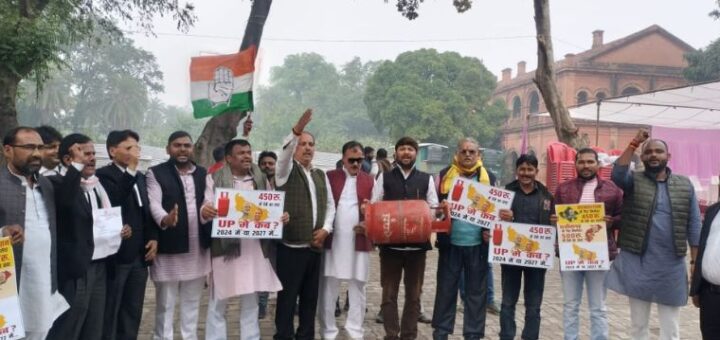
8 92
545 78
220 129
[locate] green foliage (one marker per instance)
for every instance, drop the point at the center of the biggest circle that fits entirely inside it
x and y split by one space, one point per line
308 81
409 8
106 86
703 65
34 34
435 97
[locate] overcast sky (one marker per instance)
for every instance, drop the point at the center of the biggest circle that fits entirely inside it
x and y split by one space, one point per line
499 32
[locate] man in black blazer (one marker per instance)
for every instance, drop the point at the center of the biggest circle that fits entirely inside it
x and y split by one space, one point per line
126 188
705 285
82 279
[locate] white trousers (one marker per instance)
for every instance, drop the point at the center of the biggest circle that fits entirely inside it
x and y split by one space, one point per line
216 326
35 335
640 319
329 291
166 295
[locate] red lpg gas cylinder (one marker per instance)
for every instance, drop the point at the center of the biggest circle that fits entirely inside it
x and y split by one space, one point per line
406 221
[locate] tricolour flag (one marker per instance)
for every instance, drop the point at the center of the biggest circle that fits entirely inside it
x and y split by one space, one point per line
222 83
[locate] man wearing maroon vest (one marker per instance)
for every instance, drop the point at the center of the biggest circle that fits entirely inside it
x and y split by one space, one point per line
346 256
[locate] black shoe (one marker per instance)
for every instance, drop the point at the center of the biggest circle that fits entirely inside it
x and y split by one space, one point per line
337 310
379 318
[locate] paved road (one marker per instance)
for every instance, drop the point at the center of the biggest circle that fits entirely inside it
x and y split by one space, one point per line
551 326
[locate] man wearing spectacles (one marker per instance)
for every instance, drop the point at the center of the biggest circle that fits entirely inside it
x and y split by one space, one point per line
27 216
463 253
346 249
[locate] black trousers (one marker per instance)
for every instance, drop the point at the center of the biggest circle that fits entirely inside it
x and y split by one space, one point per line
125 296
710 313
299 272
86 297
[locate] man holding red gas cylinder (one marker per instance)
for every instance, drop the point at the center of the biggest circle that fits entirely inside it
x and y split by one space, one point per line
404 182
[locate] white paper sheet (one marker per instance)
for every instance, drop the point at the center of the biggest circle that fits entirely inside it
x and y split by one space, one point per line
107 224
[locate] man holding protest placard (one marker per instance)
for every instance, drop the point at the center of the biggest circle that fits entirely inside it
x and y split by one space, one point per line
27 217
532 205
82 261
240 267
588 188
463 251
660 218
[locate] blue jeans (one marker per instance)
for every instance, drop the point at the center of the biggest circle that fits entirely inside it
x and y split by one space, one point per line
572 282
490 286
533 293
472 262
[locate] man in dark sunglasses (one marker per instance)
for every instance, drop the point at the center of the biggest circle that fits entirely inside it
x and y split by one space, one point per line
346 249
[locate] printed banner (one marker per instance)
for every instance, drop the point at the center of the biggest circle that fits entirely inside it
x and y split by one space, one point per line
582 237
524 245
11 326
478 203
248 214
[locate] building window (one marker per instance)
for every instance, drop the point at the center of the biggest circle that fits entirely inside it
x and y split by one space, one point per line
629 91
600 96
534 102
517 106
582 97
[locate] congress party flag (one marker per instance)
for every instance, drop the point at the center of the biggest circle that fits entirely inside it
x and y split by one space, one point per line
222 83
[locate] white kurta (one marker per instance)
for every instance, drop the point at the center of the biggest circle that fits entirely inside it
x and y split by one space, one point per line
342 261
40 307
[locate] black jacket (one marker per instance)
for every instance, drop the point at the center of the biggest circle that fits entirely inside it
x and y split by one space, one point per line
119 186
74 226
175 240
698 282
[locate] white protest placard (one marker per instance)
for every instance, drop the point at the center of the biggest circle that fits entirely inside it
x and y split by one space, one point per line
524 245
248 214
11 325
582 237
478 203
107 225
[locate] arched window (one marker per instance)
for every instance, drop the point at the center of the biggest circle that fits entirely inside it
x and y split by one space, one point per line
629 91
600 96
582 97
534 102
517 106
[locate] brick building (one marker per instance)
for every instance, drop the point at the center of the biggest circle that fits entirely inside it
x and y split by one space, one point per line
648 60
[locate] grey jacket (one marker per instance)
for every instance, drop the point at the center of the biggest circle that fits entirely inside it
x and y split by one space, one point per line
12 211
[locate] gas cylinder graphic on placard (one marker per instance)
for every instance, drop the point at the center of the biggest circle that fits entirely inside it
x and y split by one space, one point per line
497 235
457 191
223 204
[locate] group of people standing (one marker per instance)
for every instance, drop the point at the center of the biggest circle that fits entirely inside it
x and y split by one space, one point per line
51 191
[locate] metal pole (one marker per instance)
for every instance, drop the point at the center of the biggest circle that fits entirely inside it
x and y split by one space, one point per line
597 124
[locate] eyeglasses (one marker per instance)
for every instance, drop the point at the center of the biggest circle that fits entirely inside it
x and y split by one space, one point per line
355 160
468 152
32 147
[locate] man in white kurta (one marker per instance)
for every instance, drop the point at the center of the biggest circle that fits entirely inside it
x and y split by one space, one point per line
346 256
244 272
30 222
